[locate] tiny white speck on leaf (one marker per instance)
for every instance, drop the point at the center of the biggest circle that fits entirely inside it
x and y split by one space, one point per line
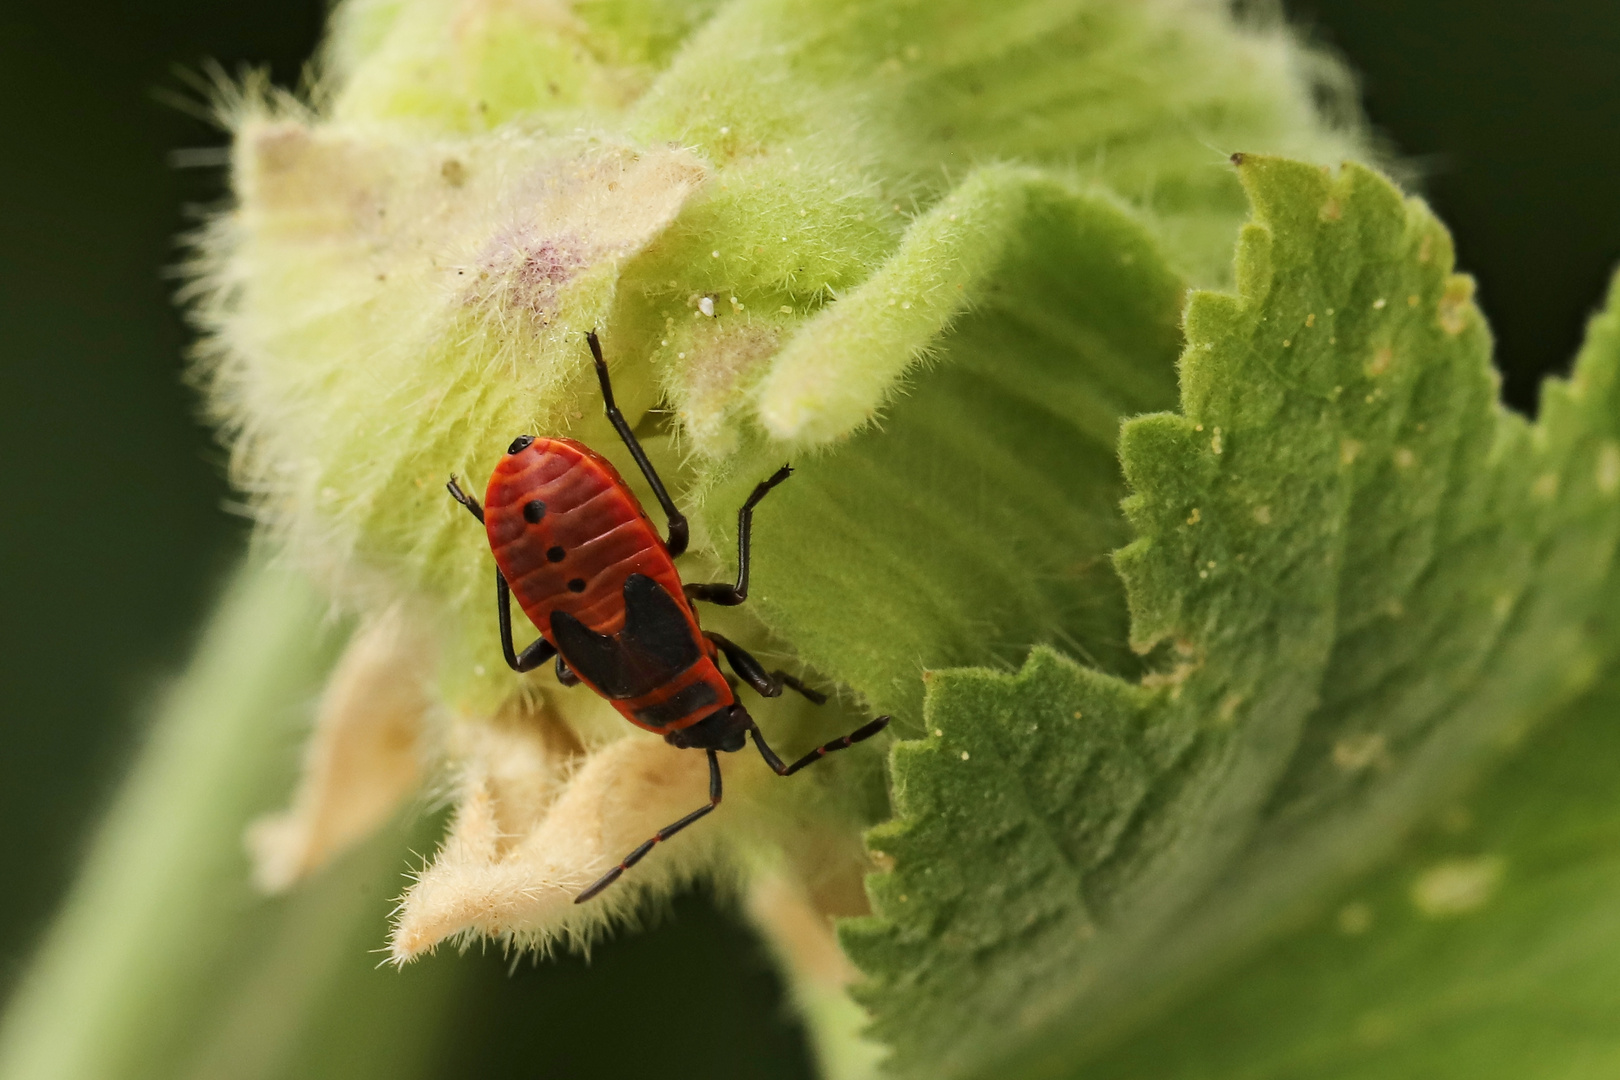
706 305
1456 819
1353 753
1355 918
938 734
1457 886
964 755
1378 304
1608 470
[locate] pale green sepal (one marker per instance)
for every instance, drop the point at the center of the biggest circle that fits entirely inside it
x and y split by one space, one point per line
977 517
443 66
845 364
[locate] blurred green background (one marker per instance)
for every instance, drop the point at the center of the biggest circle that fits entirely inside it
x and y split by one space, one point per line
120 529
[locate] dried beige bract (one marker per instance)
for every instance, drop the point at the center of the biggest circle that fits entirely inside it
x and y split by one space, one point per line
367 754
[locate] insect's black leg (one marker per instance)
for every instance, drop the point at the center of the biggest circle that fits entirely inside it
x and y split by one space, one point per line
465 499
538 651
753 672
864 732
663 834
678 532
810 693
565 674
720 592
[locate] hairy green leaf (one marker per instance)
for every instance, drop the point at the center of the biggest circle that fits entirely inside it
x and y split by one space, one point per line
775 213
1354 573
1487 949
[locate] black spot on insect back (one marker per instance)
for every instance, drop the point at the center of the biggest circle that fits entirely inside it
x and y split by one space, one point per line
556 554
519 443
533 511
576 585
655 645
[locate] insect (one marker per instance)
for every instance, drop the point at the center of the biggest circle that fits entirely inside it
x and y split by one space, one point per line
589 569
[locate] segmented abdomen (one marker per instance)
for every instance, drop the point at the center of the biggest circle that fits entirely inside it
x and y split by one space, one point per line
567 532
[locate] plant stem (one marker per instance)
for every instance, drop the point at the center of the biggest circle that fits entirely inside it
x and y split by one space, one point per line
163 962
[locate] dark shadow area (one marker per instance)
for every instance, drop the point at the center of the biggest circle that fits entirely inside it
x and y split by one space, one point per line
1509 110
694 996
116 538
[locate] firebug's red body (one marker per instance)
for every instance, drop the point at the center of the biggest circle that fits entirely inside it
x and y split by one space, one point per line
574 552
589 569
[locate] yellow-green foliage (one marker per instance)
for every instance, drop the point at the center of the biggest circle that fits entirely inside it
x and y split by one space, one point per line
1360 574
1189 584
411 265
934 253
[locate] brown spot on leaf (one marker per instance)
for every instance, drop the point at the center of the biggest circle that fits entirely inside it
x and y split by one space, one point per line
1188 660
1455 304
